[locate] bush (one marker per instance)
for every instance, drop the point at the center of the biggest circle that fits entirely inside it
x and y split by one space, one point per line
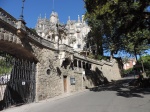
127 71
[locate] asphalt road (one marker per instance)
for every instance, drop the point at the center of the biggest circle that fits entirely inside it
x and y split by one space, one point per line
111 98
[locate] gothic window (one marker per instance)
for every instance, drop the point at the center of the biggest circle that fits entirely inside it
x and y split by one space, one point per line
53 36
75 62
48 37
79 46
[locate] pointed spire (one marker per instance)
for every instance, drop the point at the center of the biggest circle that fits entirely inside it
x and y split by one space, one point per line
79 18
53 5
82 18
40 16
45 15
58 20
68 18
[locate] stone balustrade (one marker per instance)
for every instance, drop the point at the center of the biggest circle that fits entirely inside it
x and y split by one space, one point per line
102 62
8 36
4 16
5 35
64 47
40 40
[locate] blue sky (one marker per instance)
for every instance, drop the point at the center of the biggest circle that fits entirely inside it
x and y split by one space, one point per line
33 9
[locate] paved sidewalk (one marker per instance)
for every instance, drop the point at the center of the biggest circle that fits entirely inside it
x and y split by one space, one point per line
22 108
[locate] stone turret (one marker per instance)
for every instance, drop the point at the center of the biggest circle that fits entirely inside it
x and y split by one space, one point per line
54 17
76 31
79 19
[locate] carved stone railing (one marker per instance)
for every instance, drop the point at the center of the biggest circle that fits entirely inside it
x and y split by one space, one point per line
40 40
5 35
8 36
102 62
8 18
64 47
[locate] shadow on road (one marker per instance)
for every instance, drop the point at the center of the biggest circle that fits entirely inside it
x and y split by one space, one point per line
123 89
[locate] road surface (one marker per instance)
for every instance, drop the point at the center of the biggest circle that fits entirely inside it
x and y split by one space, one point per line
110 98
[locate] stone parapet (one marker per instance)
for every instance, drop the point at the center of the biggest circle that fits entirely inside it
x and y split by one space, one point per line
4 16
64 47
40 40
102 62
8 36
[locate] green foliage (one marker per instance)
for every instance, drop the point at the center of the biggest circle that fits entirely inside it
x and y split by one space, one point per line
118 25
127 71
91 56
4 67
5 63
100 57
33 30
146 63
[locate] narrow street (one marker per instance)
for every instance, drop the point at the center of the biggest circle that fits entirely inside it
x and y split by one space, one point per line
110 98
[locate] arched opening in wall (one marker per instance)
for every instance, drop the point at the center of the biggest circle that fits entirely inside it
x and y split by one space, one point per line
17 75
90 66
19 48
75 63
87 66
83 63
48 37
53 37
79 63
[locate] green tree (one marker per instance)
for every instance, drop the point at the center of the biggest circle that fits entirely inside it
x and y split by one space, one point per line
120 24
146 63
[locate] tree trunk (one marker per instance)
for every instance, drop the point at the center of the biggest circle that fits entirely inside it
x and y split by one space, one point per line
135 53
111 54
99 46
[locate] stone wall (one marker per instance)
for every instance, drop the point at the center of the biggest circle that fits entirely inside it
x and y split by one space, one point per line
52 84
49 83
50 75
52 79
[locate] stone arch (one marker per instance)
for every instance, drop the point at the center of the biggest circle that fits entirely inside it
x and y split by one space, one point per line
18 47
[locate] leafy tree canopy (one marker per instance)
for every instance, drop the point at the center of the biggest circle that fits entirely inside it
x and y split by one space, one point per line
118 24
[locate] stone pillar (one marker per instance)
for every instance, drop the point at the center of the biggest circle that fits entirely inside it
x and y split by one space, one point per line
90 66
1 33
36 84
77 64
86 65
82 64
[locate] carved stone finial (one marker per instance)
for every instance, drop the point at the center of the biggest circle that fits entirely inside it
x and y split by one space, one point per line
45 15
69 18
79 18
40 16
